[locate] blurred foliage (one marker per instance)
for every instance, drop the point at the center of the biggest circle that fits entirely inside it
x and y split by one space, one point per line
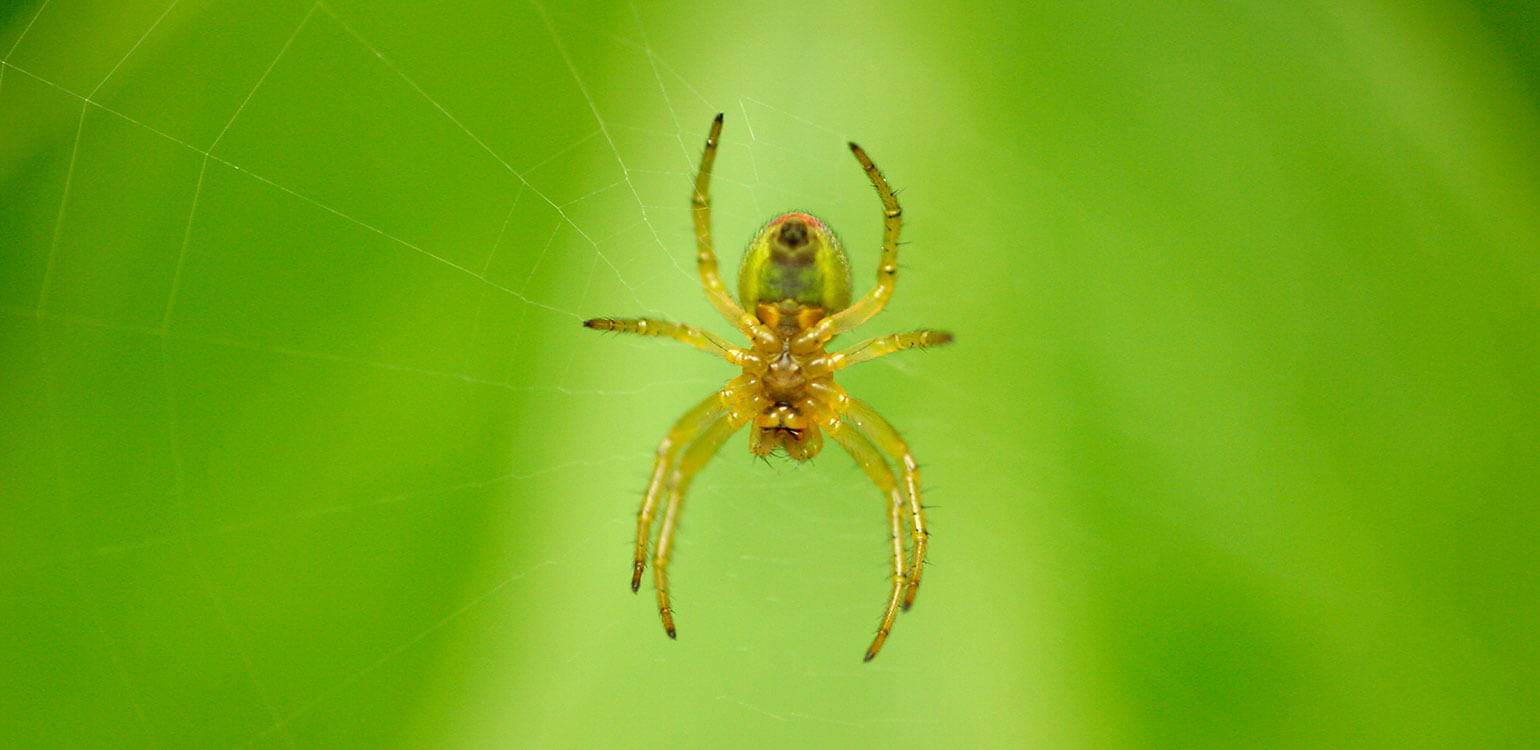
1239 443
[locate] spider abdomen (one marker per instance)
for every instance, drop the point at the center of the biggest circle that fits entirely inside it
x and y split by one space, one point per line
795 257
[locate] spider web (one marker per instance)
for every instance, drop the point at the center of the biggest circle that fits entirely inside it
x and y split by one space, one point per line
391 220
304 445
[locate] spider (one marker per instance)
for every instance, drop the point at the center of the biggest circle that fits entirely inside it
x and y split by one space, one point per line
796 280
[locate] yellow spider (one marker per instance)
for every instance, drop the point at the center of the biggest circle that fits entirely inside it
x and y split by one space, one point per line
796 279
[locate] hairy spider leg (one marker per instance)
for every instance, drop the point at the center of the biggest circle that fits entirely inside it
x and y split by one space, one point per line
691 462
876 468
873 348
882 433
870 422
703 340
705 257
685 430
887 266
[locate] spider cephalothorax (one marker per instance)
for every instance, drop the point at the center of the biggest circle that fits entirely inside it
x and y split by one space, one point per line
795 279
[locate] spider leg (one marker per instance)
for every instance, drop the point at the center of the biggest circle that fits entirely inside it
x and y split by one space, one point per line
685 430
705 341
705 257
887 265
877 469
874 348
865 417
694 458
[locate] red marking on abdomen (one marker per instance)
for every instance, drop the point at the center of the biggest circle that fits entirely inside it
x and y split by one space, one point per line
808 218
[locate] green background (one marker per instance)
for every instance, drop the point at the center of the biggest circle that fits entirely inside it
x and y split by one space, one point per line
303 446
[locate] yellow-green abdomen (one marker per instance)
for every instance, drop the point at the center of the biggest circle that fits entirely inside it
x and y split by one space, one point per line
795 257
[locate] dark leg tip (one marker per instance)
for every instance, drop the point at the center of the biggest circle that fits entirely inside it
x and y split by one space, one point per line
672 635
718 118
907 605
869 656
635 586
590 323
854 147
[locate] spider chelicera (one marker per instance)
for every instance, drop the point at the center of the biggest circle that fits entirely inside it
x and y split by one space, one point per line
796 280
